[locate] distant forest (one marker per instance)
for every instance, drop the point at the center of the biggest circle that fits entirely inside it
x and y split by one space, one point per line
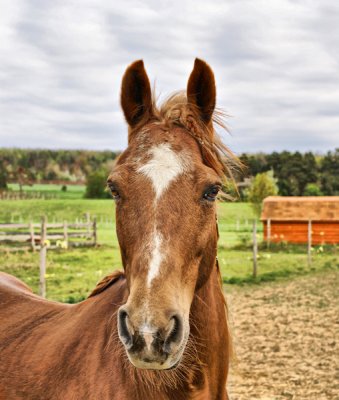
33 166
296 173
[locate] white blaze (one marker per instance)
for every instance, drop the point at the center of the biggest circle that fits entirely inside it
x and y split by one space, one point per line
156 258
164 166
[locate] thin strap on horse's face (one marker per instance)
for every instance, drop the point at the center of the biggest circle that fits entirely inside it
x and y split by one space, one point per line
216 223
217 228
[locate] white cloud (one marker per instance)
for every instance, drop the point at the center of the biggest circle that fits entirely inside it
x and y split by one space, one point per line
276 65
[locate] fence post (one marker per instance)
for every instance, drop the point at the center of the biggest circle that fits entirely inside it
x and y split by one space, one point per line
255 248
43 254
309 243
268 233
88 222
94 231
66 233
31 231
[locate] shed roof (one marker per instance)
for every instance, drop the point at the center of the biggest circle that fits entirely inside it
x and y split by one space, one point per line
279 208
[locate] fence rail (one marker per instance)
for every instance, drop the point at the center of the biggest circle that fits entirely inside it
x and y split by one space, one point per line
34 235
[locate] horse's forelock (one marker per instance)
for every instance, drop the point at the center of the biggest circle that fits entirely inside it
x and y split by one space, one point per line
176 111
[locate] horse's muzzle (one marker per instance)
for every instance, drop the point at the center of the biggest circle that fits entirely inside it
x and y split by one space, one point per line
148 347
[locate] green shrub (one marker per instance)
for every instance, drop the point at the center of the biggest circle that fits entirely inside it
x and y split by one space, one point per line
312 189
263 185
96 187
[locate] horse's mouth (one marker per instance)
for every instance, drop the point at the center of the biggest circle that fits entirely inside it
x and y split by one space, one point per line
153 364
174 366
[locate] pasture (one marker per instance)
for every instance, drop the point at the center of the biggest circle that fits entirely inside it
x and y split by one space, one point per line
71 274
72 192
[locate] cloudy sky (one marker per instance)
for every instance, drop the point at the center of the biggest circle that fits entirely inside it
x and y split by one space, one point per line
276 65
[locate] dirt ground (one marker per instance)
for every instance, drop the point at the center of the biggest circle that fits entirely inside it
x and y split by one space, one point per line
286 338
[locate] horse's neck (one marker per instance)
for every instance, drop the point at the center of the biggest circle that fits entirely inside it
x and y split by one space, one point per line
209 332
208 310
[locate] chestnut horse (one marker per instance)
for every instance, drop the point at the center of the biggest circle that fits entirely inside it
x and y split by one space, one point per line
158 330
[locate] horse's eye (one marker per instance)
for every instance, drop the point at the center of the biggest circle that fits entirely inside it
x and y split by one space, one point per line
211 193
114 192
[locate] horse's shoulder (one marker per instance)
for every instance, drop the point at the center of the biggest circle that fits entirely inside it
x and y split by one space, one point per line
107 281
11 283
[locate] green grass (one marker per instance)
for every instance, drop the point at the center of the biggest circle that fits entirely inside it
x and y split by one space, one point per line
73 191
72 274
237 265
58 210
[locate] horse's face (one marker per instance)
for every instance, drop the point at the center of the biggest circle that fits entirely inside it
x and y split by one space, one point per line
165 216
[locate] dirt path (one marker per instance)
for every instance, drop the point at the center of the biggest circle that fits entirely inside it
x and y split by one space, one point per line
286 340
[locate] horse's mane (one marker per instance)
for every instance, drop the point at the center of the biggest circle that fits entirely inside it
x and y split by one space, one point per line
106 282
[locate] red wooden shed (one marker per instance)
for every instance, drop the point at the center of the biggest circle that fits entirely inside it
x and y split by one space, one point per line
287 219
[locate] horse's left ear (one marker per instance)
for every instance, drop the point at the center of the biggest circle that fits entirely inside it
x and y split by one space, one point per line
201 89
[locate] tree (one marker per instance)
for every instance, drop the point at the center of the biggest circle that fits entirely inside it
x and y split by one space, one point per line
293 171
3 180
263 185
312 189
255 163
329 168
23 177
96 185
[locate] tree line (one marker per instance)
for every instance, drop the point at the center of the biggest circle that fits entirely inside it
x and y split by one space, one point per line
295 173
26 166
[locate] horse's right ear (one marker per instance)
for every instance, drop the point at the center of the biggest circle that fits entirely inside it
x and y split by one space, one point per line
136 96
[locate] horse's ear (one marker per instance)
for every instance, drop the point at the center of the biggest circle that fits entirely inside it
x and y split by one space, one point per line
136 97
201 89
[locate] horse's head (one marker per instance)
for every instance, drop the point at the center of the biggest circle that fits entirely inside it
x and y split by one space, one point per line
165 185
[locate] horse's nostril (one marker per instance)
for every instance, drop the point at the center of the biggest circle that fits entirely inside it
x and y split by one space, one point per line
175 334
124 333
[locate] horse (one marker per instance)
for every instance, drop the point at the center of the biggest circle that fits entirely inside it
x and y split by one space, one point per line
158 330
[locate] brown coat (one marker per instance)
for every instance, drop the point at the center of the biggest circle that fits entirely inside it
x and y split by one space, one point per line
50 350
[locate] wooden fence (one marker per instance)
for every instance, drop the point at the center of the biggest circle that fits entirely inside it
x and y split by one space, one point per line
268 242
46 236
23 236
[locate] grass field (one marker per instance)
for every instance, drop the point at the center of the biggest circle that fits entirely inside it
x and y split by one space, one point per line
72 192
72 273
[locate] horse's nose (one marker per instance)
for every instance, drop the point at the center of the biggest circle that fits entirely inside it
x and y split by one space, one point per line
147 338
174 333
125 329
